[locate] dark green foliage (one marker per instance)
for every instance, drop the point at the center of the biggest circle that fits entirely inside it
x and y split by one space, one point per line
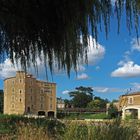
53 28
55 128
10 123
112 111
98 103
68 103
81 96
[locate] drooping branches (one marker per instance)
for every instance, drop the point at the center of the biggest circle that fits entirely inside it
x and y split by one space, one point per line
55 29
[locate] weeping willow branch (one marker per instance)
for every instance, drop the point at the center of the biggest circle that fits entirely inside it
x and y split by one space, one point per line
57 28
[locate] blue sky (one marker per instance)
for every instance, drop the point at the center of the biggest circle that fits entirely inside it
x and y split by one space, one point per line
114 66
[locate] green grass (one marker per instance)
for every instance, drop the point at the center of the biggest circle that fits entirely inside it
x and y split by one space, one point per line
94 116
82 116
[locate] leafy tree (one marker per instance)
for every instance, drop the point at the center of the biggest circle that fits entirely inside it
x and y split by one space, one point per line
81 96
67 103
114 100
55 29
98 103
112 111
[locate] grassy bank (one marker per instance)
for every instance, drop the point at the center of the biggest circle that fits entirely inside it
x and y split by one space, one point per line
82 116
21 128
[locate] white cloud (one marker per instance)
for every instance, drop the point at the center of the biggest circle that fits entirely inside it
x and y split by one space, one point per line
97 68
135 86
128 69
135 44
82 76
65 92
107 89
95 51
7 69
81 68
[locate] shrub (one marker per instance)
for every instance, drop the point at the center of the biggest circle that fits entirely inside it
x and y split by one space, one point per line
112 111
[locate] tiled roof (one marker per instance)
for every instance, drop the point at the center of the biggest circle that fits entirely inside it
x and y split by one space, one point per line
132 94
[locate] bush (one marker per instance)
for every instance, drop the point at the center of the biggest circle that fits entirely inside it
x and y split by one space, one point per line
112 111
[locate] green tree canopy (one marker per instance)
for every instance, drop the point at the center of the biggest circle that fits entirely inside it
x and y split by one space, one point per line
81 96
56 28
112 111
98 103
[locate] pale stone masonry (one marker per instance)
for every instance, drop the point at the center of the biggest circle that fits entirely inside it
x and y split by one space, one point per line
24 94
129 104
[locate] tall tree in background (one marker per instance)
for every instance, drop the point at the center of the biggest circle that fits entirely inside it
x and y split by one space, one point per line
58 30
81 96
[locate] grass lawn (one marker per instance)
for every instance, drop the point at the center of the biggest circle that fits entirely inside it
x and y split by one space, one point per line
86 116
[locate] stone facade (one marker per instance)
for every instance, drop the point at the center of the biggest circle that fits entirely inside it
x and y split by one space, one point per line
129 104
60 103
24 94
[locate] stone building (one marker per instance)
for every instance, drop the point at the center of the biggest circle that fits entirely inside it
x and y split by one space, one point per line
24 94
129 105
60 103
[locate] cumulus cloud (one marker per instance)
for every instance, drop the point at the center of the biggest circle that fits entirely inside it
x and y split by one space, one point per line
135 86
135 44
82 76
97 68
7 69
65 92
95 51
128 69
107 89
81 68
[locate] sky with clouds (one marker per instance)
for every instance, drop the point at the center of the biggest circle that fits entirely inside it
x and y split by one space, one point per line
113 66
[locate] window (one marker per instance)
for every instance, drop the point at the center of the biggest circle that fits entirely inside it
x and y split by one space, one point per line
31 90
31 83
41 98
20 81
20 100
12 106
50 106
41 91
31 98
130 100
41 106
13 90
20 91
13 98
13 82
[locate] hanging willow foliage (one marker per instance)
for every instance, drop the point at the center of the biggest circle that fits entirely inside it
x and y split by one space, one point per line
56 28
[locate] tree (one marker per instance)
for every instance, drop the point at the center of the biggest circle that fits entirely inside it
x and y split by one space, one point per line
98 103
112 111
67 103
57 30
81 96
